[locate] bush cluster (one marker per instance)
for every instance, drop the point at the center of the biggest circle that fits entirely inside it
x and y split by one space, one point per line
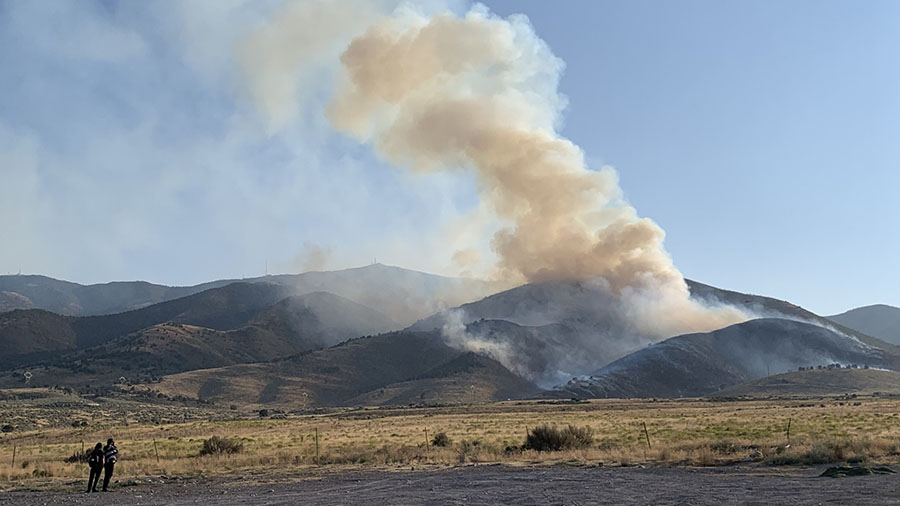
825 452
78 457
219 446
441 439
546 438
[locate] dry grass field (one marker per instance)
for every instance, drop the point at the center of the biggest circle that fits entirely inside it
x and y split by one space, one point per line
681 433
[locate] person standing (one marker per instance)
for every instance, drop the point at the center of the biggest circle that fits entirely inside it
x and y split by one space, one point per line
110 455
95 461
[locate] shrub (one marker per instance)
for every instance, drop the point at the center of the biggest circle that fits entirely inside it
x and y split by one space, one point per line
546 438
705 456
724 447
441 439
608 445
219 446
78 457
7 428
665 454
467 448
826 453
512 450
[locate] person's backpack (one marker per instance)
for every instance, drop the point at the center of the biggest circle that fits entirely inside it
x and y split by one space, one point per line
94 459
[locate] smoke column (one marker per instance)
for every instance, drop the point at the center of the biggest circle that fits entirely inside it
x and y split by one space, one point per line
444 92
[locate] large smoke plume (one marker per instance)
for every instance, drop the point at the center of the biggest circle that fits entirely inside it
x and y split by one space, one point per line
473 92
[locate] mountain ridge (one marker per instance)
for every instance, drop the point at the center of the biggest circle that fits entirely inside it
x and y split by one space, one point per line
877 320
698 364
410 294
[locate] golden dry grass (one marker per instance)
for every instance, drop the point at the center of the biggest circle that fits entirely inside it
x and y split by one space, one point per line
681 432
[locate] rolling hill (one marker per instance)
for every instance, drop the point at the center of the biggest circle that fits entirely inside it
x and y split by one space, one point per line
322 319
10 301
881 321
698 364
162 349
538 352
580 323
73 299
401 294
30 334
33 331
818 382
296 324
386 369
266 341
468 378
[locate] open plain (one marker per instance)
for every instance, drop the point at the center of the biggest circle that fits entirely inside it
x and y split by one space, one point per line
497 484
736 451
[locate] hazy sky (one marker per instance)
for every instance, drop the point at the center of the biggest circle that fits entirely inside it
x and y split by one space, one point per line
762 136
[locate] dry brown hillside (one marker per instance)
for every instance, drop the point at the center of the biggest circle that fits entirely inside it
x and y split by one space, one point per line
398 367
819 382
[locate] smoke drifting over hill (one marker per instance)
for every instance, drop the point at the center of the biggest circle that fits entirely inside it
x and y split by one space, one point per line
473 92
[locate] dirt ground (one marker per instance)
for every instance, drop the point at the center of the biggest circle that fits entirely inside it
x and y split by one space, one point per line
495 484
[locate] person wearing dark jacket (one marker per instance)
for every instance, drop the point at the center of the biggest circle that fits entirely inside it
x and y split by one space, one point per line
110 455
95 461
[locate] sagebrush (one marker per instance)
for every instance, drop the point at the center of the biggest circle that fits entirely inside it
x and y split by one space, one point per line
441 439
547 438
220 446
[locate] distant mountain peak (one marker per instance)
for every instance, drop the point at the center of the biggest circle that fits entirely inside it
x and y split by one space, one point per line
878 320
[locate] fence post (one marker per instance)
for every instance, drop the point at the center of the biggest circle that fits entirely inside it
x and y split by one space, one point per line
647 435
14 457
789 431
156 451
426 438
317 446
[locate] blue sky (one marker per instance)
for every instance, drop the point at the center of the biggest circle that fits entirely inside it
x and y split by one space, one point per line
762 136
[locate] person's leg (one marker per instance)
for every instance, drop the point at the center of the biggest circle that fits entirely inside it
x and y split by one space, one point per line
107 475
91 480
95 479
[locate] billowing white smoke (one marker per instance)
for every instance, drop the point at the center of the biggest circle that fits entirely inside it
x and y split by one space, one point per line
444 92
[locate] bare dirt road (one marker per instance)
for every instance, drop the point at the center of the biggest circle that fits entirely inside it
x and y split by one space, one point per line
503 485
